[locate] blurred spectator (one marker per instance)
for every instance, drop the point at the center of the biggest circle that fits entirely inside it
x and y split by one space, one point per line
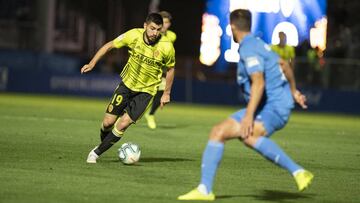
345 38
316 65
285 51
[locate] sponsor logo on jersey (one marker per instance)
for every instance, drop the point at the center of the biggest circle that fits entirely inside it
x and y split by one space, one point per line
147 60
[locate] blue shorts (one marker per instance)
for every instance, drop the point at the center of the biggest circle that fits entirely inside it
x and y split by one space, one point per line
273 118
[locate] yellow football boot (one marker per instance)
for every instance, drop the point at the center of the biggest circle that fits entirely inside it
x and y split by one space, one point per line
196 195
150 121
303 179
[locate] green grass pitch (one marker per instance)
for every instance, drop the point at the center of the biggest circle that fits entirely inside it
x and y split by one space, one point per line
45 140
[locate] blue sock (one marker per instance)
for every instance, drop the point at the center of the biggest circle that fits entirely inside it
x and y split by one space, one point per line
210 162
275 154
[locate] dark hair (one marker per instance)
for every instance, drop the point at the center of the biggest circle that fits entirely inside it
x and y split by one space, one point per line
241 18
165 14
155 18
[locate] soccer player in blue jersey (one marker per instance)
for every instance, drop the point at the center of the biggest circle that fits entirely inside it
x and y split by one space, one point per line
269 87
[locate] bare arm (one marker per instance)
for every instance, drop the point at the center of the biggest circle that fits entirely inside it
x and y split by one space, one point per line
292 64
169 81
289 74
99 54
256 93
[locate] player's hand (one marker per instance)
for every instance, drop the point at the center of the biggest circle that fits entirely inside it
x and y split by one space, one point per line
86 68
165 98
246 127
300 99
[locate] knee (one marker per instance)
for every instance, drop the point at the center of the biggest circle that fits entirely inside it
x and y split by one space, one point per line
217 133
123 123
108 122
251 140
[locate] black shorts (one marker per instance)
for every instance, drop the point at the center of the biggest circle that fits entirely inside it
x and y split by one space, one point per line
126 100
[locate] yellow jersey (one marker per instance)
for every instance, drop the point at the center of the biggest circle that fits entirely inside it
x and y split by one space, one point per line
171 35
144 68
286 53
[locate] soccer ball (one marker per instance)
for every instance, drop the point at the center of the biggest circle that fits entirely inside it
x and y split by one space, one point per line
129 153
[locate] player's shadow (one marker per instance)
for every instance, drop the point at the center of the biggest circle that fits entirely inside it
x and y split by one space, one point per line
153 160
171 126
272 195
163 159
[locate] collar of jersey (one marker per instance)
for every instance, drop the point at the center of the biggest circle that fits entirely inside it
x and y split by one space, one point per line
246 38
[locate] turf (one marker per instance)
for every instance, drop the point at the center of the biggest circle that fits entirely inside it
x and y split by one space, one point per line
45 140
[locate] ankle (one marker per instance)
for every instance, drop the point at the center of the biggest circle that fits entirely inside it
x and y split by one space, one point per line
202 189
297 172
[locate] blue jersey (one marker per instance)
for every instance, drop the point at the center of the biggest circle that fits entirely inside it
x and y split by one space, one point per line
256 56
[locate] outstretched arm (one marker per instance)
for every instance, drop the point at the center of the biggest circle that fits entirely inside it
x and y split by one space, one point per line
289 74
100 53
169 81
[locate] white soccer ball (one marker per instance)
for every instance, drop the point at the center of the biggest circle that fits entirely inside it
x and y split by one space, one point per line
129 153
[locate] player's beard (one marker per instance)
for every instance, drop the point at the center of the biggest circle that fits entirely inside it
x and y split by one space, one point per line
152 39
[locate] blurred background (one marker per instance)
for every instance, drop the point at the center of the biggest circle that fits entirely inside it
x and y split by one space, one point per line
44 43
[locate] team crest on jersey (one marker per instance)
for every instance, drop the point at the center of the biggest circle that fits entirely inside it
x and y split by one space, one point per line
156 53
110 108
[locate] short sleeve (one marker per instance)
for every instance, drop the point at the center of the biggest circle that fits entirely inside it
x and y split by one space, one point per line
123 40
252 61
170 57
292 52
171 35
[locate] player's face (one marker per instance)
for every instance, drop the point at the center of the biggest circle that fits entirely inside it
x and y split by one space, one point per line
167 24
282 37
152 32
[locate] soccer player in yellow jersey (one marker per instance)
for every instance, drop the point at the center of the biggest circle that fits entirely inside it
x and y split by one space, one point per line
167 24
285 51
150 115
150 53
